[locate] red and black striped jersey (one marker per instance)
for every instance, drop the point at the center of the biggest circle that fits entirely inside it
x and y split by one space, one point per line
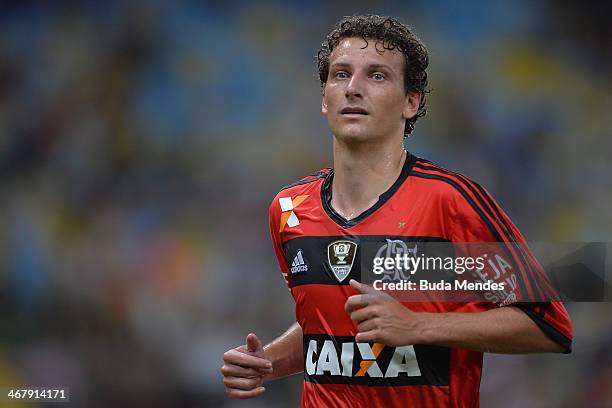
426 203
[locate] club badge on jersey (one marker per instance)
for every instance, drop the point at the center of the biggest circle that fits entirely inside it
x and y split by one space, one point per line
340 256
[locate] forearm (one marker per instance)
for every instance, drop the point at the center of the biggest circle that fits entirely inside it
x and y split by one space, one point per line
504 330
286 353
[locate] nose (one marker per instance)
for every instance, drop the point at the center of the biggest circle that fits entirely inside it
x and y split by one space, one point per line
354 87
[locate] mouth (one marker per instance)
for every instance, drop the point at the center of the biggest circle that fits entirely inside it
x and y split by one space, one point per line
353 111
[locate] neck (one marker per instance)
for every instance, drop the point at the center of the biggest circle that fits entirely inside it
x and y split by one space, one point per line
362 172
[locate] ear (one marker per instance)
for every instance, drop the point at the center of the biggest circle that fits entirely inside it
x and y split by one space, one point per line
411 105
323 105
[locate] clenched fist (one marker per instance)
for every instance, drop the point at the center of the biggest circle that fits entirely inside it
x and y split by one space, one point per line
381 318
245 368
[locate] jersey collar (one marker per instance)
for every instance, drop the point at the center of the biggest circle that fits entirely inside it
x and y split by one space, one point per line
326 196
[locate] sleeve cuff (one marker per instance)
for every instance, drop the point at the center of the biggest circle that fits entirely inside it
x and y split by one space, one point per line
546 327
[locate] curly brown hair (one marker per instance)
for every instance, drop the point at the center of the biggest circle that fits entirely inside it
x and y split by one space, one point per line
390 34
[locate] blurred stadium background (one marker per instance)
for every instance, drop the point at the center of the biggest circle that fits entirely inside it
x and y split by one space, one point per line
141 143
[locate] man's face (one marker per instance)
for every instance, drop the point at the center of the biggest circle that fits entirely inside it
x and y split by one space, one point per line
364 97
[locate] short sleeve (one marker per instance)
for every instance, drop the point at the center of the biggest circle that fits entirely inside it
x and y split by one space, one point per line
478 218
274 220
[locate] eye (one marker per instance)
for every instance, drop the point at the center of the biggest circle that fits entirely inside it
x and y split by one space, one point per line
377 76
341 75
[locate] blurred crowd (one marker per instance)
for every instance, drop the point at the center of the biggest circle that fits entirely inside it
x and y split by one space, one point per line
141 143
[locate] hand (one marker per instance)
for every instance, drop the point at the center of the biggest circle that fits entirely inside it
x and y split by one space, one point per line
380 318
245 368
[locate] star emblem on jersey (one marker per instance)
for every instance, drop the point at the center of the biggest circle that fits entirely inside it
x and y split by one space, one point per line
299 264
288 217
340 256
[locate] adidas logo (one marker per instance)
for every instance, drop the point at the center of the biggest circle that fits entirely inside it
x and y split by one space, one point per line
298 264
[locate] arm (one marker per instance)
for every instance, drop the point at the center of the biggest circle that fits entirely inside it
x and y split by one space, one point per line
525 327
245 368
286 353
381 318
505 330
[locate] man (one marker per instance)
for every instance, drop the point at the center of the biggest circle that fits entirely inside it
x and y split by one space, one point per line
358 346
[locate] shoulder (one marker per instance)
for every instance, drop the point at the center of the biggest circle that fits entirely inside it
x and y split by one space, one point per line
469 203
296 191
466 196
450 184
312 177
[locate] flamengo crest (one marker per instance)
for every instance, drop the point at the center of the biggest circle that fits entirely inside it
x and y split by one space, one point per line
340 256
